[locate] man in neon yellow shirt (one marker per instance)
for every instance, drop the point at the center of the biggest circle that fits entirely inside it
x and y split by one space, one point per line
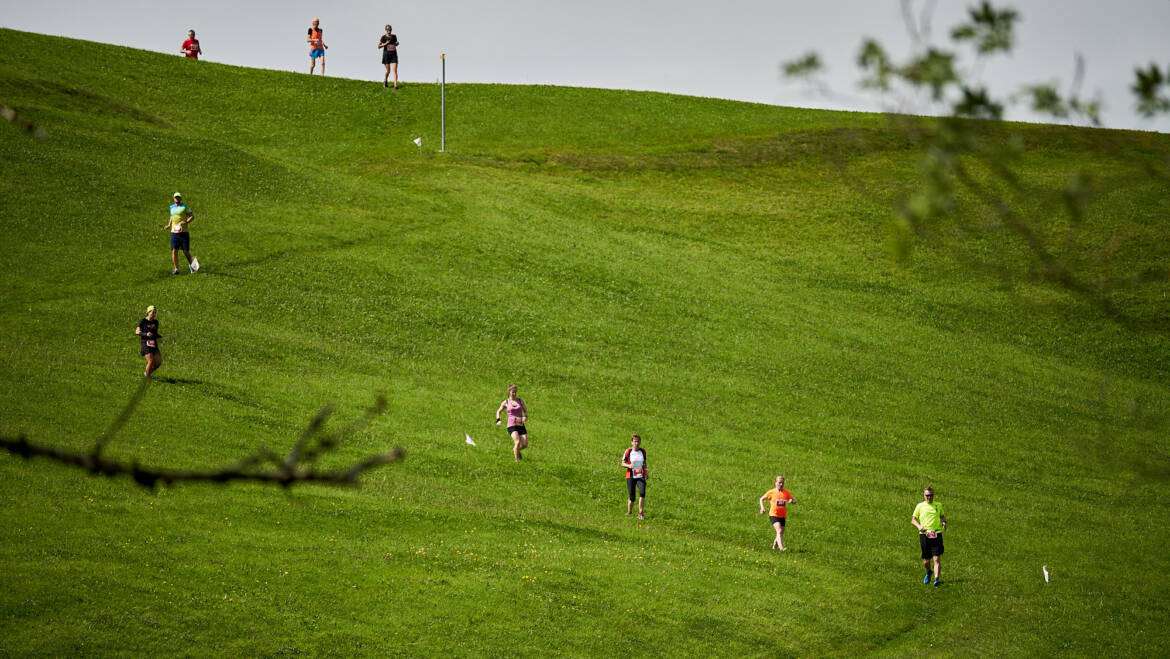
181 216
930 521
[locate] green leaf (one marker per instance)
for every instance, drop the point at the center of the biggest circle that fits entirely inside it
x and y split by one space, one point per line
977 104
807 65
1147 87
873 60
934 69
991 29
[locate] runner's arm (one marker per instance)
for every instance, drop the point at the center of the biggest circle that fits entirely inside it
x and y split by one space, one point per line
502 406
762 500
943 519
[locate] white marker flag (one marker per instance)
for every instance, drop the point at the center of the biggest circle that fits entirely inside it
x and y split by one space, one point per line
418 142
194 264
469 439
1044 569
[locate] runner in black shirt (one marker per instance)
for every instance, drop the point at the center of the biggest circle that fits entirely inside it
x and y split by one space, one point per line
147 332
389 45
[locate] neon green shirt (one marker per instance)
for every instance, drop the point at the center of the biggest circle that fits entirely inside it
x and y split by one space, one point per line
929 515
179 212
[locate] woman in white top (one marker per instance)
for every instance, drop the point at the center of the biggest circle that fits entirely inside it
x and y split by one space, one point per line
634 460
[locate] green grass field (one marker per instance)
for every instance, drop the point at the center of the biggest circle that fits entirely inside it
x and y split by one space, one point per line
712 275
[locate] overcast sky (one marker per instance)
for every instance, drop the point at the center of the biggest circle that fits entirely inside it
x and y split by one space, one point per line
730 49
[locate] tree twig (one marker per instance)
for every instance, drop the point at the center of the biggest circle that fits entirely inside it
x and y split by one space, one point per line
295 468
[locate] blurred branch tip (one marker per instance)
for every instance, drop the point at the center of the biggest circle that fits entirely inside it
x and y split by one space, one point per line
297 467
12 116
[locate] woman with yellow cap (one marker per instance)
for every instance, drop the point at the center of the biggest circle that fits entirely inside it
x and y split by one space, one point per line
147 332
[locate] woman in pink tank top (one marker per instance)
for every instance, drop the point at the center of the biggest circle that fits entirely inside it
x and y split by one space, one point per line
517 417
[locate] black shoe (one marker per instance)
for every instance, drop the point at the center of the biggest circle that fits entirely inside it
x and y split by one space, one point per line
385 84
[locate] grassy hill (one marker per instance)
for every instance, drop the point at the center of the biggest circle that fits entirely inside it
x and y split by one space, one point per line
712 275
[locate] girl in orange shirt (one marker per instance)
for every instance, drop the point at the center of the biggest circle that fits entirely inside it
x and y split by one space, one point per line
778 512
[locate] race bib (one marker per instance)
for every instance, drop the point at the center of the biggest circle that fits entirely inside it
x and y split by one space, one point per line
639 473
932 534
150 343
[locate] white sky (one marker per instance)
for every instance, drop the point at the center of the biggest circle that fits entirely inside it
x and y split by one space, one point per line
730 49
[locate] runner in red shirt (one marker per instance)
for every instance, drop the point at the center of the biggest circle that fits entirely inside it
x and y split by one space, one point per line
191 46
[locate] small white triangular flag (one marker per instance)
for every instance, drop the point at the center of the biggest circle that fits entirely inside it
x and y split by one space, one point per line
194 264
418 141
469 439
1044 569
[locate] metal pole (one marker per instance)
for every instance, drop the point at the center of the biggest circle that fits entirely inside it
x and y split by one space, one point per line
443 105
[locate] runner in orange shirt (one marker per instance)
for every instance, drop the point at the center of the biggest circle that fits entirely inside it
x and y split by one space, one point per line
316 41
780 498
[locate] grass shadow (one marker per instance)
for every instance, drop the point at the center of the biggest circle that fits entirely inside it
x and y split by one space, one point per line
167 380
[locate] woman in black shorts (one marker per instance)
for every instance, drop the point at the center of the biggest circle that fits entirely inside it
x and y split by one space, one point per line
517 416
634 460
389 45
147 332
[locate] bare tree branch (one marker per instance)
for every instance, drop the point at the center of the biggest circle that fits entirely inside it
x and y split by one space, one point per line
299 466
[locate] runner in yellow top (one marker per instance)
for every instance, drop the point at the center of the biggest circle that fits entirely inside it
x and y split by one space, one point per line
181 216
778 510
930 521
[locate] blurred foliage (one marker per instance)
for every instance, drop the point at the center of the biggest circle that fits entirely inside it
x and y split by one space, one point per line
803 66
1151 87
27 126
990 29
968 187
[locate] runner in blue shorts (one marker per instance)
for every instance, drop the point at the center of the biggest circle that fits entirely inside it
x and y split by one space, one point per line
317 47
